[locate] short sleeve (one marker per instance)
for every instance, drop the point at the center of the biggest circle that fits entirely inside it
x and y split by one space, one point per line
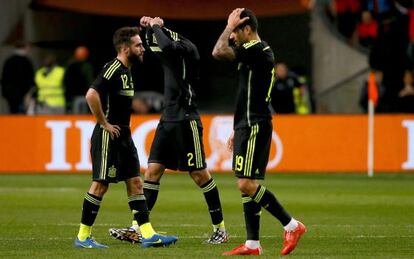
100 84
253 52
241 53
248 53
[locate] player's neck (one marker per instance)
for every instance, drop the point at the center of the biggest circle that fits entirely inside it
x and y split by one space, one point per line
253 36
124 60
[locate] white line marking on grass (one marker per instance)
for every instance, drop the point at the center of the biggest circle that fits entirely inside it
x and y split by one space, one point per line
279 236
361 225
205 236
242 225
37 189
158 225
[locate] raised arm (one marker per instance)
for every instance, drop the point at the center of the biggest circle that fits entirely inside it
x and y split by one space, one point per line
175 42
162 40
222 49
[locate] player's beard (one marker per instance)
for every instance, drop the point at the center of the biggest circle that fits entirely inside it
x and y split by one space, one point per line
134 59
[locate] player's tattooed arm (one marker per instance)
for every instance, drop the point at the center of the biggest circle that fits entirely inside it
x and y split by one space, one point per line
222 49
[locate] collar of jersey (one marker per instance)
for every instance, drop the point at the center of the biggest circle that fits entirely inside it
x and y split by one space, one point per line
250 43
122 64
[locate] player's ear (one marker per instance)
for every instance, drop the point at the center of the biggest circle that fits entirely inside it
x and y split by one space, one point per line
125 49
247 29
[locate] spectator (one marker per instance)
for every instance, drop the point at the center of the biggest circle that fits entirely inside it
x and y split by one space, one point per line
406 95
367 29
389 54
283 100
50 90
17 78
302 97
347 13
78 77
410 50
381 9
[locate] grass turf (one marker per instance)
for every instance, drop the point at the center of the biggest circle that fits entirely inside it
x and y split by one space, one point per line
347 216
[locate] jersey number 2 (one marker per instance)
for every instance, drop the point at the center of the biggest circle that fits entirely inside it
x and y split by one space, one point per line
190 159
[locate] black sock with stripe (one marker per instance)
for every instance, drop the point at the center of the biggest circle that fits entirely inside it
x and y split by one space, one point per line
138 206
252 212
212 197
151 190
267 200
90 208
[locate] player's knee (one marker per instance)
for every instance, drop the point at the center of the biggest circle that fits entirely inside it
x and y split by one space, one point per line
200 177
98 189
136 183
247 186
154 173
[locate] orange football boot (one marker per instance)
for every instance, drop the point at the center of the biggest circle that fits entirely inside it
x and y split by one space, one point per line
244 250
291 238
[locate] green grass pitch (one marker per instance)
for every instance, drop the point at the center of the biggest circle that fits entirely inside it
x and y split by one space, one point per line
348 216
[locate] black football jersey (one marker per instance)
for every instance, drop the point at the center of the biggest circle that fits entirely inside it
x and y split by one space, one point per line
256 79
116 91
180 60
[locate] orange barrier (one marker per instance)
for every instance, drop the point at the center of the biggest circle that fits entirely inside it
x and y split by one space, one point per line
318 143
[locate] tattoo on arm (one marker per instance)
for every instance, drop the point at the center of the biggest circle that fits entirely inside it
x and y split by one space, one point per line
222 50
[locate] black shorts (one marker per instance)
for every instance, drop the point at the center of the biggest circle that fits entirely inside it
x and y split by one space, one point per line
113 160
251 150
179 145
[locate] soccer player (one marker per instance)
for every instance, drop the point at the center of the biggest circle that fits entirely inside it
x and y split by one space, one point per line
252 134
114 156
178 139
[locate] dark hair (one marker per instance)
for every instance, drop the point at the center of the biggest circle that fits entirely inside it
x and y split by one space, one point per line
123 36
252 21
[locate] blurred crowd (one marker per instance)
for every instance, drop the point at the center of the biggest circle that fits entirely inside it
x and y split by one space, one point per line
291 93
386 29
56 89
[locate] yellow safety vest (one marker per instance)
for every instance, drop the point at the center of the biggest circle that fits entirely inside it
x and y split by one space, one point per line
301 98
50 86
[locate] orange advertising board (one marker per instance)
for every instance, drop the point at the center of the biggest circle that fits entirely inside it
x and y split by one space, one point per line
317 143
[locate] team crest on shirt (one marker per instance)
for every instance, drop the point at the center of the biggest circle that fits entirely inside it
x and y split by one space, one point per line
112 172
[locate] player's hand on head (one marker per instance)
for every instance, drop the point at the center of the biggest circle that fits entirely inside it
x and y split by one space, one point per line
234 18
114 130
145 21
157 21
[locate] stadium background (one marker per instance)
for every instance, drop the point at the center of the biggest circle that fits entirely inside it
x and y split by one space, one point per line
287 34
348 214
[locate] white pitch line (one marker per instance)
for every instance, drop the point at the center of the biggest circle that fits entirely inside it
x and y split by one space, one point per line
37 189
158 225
316 226
205 236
